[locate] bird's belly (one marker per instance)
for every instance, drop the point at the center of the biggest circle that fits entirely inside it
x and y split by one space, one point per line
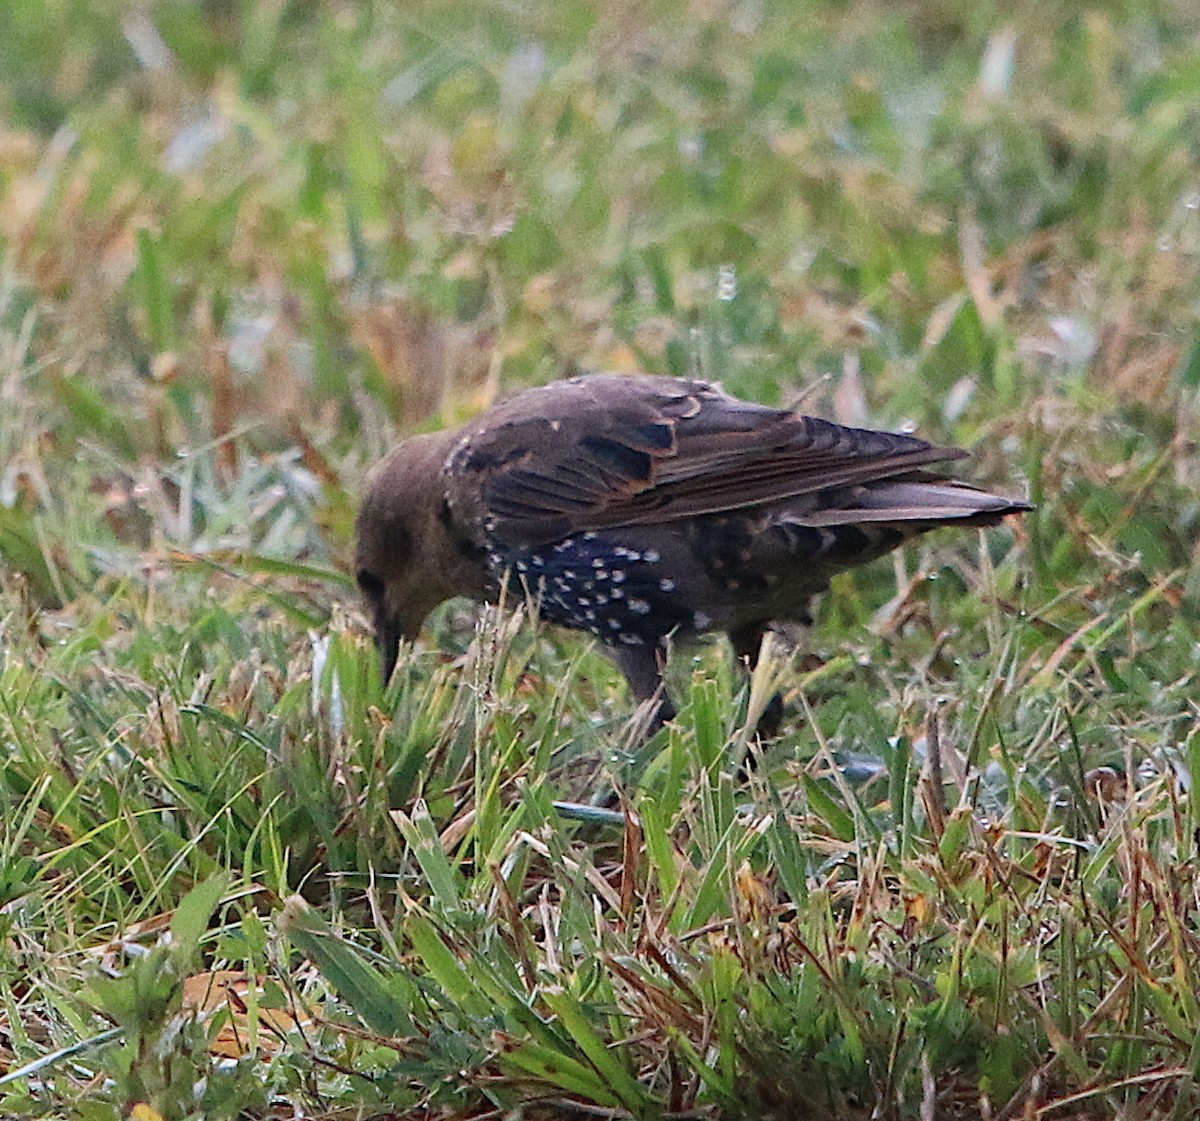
639 585
620 588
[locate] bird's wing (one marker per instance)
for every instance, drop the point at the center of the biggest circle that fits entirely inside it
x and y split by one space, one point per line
606 450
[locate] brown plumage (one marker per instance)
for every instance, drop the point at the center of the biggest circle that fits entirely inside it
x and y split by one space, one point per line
644 510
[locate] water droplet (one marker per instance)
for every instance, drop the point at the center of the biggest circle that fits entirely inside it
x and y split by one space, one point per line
726 282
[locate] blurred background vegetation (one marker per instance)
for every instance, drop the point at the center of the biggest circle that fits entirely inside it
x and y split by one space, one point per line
268 235
245 244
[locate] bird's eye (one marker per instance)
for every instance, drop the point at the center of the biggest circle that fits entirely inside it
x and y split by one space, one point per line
369 583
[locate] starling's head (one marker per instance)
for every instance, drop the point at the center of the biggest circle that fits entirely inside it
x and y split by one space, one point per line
406 562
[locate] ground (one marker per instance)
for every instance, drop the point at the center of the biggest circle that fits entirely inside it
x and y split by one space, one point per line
244 246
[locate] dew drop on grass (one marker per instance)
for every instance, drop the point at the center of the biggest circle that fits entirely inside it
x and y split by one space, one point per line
727 282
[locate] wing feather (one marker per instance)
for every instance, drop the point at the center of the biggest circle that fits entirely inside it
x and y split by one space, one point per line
606 450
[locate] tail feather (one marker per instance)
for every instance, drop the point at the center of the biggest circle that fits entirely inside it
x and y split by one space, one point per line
915 501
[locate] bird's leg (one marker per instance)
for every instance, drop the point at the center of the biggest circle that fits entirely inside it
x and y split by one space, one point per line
643 669
747 642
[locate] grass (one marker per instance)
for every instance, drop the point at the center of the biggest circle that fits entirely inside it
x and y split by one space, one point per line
244 246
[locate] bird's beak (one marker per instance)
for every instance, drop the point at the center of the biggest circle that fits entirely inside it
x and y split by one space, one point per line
387 638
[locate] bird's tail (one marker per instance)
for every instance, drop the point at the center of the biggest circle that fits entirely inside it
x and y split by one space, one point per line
915 501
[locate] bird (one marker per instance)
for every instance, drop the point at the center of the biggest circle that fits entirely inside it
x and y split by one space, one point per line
646 510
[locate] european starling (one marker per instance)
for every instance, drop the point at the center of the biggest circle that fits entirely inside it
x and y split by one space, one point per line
644 510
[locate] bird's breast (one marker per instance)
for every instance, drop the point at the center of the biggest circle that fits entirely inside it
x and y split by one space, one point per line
624 589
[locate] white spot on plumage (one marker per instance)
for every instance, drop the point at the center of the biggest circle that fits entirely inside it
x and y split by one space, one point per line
666 584
701 621
651 556
639 607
